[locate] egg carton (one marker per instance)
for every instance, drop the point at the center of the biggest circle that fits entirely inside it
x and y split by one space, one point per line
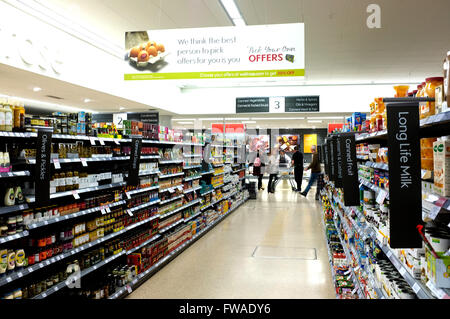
152 60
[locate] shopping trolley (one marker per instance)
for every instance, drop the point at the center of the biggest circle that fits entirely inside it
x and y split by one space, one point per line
286 172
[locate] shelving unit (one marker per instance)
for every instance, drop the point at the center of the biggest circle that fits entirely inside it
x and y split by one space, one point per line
132 203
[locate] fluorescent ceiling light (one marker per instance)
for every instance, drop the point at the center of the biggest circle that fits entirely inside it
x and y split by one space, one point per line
278 118
326 117
182 120
185 122
36 89
211 119
121 108
236 118
314 121
231 9
239 22
248 122
87 100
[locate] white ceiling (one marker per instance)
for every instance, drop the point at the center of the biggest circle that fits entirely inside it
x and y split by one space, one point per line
339 48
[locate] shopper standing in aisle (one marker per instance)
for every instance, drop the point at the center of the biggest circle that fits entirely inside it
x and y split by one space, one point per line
273 170
206 163
258 167
297 163
315 170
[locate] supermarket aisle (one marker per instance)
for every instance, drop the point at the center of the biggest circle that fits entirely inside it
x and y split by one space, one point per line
226 262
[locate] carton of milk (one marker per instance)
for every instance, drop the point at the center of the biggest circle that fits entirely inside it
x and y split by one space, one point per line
441 153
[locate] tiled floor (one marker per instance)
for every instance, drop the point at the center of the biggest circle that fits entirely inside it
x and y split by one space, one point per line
222 264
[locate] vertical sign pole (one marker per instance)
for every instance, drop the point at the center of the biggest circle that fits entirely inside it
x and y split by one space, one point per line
349 169
404 175
43 165
135 159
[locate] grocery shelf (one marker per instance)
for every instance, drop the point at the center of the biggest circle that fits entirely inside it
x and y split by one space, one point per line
206 173
186 179
30 269
140 190
13 237
171 189
362 157
195 201
163 230
14 174
80 191
148 204
150 157
83 273
74 215
192 189
170 175
193 216
218 174
170 199
192 155
191 167
148 172
218 186
132 250
374 187
374 135
122 292
208 192
238 170
217 165
170 161
87 159
382 166
12 209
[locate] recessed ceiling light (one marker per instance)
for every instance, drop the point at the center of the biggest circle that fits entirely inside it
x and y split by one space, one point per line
315 121
177 120
121 108
248 122
185 122
87 100
37 89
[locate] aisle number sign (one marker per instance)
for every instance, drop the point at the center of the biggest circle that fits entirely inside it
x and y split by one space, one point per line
278 104
258 51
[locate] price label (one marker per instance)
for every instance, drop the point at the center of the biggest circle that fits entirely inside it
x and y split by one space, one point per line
103 212
171 190
402 271
56 163
128 195
389 254
92 140
83 162
116 141
75 195
354 291
416 287
381 196
129 289
108 210
130 212
102 142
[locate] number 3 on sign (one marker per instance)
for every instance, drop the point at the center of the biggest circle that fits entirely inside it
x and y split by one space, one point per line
276 104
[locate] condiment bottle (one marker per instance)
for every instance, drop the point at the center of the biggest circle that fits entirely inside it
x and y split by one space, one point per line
18 195
8 117
6 161
2 114
9 197
16 115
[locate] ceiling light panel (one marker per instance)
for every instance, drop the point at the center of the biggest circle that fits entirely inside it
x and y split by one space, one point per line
231 9
314 121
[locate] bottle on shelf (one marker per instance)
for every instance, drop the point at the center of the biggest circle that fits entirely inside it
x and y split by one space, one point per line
8 116
2 114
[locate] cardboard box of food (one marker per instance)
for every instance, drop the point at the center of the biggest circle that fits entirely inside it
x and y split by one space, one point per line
441 152
438 270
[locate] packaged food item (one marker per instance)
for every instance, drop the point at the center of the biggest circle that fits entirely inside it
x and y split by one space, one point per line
446 82
428 109
441 154
426 153
401 90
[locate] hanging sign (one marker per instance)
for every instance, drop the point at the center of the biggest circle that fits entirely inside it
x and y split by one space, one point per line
278 104
216 53
43 166
405 199
135 159
338 160
332 162
349 169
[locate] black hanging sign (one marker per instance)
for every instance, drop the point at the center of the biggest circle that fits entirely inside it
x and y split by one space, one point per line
405 199
252 104
332 162
301 103
135 159
338 161
326 156
150 117
349 169
43 165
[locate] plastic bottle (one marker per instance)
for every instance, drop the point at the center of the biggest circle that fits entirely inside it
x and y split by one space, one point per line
6 161
16 115
2 114
9 197
2 163
8 117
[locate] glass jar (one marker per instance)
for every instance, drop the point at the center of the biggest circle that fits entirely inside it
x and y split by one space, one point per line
429 91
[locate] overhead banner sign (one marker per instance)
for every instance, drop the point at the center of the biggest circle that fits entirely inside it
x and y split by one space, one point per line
259 51
278 104
308 141
349 169
405 199
150 117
